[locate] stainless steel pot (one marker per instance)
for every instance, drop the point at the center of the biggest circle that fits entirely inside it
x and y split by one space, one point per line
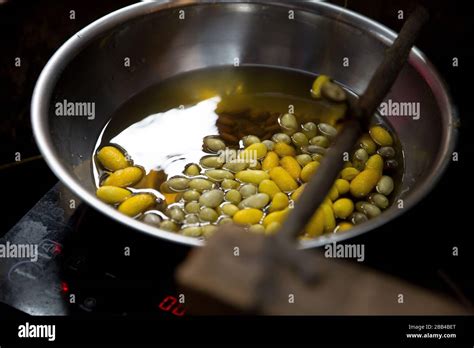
89 67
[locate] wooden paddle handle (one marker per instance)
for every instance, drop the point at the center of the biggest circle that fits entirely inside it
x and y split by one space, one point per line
359 115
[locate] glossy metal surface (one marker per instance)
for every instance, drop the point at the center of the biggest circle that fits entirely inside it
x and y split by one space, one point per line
89 67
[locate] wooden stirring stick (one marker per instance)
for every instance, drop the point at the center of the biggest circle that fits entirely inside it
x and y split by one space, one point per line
241 270
359 116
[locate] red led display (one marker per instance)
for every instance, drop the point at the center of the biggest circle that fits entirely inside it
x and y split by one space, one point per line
171 303
64 287
57 249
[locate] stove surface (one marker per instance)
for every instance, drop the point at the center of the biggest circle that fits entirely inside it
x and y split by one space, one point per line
87 264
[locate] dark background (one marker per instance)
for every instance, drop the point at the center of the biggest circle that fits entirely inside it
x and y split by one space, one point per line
416 246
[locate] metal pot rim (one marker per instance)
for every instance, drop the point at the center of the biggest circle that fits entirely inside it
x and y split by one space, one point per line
51 72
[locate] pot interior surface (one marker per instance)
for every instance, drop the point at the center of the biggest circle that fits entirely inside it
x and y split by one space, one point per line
158 43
